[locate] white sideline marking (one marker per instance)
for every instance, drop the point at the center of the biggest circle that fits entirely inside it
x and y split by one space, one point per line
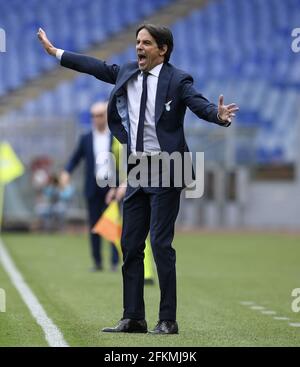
295 324
53 335
269 312
257 308
246 303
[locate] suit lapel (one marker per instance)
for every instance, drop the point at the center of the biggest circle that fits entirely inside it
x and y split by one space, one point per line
162 90
162 86
132 70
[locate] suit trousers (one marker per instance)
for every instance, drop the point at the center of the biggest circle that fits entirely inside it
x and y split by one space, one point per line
154 209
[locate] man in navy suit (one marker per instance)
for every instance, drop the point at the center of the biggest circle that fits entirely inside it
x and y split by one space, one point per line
95 143
146 111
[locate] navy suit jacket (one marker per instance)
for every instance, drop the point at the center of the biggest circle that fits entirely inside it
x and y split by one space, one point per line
173 85
84 150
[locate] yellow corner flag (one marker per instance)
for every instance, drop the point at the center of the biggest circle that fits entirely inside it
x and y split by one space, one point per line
110 225
10 168
10 165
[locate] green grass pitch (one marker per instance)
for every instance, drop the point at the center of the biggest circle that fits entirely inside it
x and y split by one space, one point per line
215 272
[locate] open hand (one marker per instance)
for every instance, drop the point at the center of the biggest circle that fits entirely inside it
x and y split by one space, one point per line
46 43
226 112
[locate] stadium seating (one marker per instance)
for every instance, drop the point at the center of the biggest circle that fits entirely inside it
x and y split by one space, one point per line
74 25
241 49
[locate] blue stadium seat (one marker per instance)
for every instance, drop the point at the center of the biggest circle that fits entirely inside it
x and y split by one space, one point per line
74 25
239 48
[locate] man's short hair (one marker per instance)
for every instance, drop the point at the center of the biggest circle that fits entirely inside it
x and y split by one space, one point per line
162 36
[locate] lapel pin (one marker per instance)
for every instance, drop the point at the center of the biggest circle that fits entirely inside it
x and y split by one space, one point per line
167 105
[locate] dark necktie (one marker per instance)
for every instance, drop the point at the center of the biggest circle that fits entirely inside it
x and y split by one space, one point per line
140 131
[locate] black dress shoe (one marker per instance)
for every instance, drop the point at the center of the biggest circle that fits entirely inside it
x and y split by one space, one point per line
165 327
128 326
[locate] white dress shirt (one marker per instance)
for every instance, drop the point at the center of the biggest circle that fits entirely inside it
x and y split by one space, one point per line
134 94
59 53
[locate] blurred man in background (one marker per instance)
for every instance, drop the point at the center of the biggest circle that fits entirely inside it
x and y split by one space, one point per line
92 145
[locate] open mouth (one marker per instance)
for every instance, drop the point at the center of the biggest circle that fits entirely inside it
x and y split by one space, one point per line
141 59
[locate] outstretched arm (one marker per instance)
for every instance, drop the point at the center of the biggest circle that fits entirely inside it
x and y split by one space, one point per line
221 114
81 63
